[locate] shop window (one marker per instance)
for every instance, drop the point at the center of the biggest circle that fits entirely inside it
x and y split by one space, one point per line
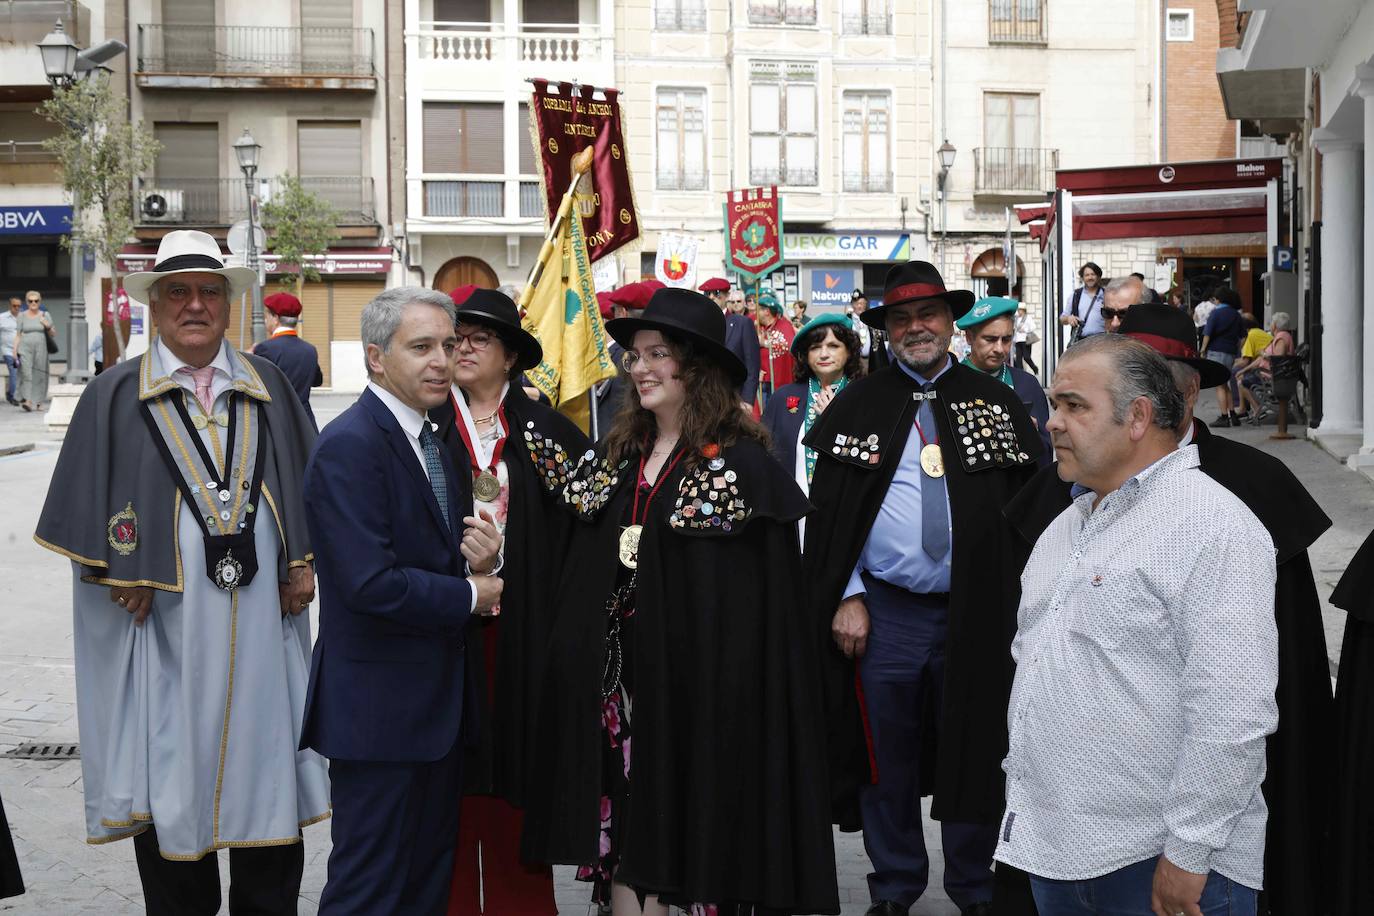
782 123
865 122
681 140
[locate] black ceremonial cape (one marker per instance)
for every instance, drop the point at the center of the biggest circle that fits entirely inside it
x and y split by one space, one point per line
985 588
11 882
1300 754
727 777
543 448
1352 839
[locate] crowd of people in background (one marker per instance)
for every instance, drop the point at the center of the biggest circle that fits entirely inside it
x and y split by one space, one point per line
27 338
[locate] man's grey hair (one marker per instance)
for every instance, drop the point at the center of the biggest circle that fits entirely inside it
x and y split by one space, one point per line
1130 286
1139 372
1185 376
1281 321
510 291
382 316
288 321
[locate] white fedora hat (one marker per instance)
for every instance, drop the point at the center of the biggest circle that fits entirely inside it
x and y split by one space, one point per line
187 251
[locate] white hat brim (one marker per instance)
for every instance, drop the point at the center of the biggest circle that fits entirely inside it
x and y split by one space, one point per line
240 279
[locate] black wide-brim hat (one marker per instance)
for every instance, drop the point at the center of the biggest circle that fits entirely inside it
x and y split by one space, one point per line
495 310
912 282
686 315
1172 333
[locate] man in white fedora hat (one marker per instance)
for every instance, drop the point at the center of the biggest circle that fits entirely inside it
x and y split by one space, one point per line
191 569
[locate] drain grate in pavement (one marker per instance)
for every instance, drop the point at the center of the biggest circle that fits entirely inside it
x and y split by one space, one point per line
37 751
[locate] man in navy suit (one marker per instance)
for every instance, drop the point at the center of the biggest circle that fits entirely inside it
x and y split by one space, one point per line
741 338
397 588
297 359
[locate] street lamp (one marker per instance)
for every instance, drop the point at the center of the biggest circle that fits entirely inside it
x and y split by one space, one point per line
946 152
65 64
247 150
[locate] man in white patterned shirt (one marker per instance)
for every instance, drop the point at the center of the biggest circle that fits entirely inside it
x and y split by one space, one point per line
1146 664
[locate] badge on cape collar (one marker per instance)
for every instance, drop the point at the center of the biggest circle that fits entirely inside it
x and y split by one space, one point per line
591 484
549 458
985 434
709 499
864 450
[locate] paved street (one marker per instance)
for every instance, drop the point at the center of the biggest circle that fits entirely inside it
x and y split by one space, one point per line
43 799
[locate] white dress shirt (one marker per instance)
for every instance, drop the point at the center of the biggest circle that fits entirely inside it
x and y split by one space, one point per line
411 420
1147 659
171 364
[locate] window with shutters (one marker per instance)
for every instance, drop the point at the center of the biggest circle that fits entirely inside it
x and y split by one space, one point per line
782 12
186 174
1011 158
531 177
548 13
464 138
1013 21
864 125
327 36
330 163
185 26
681 139
469 13
866 17
680 15
782 123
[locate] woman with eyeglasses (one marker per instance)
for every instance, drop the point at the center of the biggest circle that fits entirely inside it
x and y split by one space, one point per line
680 755
518 454
35 328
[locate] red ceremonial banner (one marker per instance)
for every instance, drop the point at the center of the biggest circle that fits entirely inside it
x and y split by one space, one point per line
753 226
567 120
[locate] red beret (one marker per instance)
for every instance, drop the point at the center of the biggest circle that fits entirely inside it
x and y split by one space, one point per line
606 303
635 295
460 295
715 285
283 304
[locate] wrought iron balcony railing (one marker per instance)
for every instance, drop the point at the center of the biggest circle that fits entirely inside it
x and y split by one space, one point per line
26 22
876 24
240 50
1016 21
222 201
801 178
670 17
857 183
1014 170
24 151
681 181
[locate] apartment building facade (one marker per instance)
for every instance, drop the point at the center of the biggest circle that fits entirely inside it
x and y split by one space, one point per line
307 80
829 100
475 208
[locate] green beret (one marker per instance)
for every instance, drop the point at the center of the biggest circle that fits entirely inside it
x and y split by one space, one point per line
770 302
820 321
986 309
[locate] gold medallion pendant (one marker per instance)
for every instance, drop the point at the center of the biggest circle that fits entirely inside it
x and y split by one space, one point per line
932 461
629 546
486 488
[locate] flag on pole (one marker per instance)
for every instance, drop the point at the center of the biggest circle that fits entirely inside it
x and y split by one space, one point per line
1009 257
562 312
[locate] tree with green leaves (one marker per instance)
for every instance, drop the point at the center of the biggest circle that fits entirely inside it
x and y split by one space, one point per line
101 154
299 223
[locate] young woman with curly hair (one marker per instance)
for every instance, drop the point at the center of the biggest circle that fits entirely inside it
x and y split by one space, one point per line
678 624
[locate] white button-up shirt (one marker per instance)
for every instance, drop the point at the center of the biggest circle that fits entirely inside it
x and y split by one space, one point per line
1147 659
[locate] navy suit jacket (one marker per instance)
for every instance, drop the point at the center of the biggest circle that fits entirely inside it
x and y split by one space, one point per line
742 340
299 361
386 679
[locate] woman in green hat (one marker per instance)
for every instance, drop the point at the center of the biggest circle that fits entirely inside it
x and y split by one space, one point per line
990 327
826 357
775 343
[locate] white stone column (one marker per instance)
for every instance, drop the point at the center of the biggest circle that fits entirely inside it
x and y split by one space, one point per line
1342 248
1364 87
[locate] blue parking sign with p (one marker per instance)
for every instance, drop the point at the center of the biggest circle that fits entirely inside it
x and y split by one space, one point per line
1283 258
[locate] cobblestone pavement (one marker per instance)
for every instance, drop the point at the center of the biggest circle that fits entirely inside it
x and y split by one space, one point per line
37 692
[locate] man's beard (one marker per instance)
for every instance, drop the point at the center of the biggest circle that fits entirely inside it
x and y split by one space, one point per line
913 362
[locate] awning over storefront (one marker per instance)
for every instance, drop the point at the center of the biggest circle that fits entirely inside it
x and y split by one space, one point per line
338 262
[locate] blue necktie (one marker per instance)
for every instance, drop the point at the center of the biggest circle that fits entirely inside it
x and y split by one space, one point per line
934 499
438 481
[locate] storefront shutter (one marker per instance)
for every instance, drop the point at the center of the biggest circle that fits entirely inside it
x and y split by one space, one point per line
316 324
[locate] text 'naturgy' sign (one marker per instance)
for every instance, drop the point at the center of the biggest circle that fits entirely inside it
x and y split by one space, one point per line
35 220
832 287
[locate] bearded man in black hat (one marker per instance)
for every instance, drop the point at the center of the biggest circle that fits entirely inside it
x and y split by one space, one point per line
914 573
1301 752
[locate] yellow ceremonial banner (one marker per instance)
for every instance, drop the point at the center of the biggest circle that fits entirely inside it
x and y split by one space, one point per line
562 312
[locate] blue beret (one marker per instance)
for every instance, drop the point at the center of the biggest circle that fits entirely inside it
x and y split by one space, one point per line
986 309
